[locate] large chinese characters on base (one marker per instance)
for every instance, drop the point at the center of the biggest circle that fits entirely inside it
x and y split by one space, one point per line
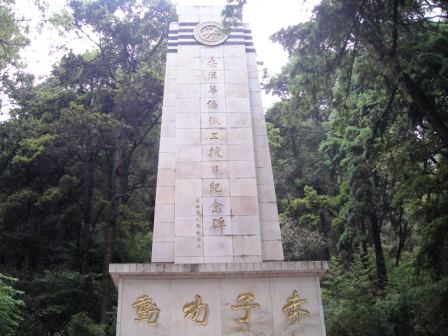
217 258
197 311
227 301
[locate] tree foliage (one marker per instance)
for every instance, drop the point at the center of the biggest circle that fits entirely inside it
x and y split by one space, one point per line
78 164
10 306
83 325
12 34
360 155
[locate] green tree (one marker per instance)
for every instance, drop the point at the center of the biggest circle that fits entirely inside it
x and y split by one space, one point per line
359 143
78 162
10 306
82 325
122 79
366 112
12 35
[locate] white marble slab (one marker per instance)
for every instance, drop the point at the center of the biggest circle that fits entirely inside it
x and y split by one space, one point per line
219 291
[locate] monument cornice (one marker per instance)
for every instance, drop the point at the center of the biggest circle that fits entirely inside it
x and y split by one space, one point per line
272 269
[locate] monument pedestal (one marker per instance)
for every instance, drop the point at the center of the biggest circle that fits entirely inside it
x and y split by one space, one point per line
269 298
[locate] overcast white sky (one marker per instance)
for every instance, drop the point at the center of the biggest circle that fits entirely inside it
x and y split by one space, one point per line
265 17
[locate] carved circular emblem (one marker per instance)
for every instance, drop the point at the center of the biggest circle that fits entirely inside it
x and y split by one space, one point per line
210 33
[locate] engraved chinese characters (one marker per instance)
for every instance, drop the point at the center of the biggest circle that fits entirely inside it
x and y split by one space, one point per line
214 152
294 307
210 33
215 136
245 303
146 310
214 121
198 311
216 207
218 224
198 223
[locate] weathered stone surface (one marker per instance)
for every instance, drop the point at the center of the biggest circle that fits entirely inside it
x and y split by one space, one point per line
188 120
164 213
187 246
272 249
189 170
244 206
163 231
237 120
163 251
243 187
242 169
187 105
245 225
218 246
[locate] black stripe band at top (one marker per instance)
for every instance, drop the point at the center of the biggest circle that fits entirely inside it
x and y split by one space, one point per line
174 44
187 23
175 50
196 23
233 30
230 36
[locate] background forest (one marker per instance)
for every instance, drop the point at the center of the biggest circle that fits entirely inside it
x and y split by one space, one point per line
359 144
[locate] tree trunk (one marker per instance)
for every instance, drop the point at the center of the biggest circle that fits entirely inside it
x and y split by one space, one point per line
380 263
106 282
109 238
87 216
402 235
119 190
324 229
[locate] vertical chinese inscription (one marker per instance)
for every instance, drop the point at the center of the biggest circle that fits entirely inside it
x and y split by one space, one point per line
198 220
213 121
212 75
215 187
218 224
214 152
212 104
216 207
213 89
212 63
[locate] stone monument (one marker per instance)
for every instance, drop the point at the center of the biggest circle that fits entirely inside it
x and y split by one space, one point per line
217 258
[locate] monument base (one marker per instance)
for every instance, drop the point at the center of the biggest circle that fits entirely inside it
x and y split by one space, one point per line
268 298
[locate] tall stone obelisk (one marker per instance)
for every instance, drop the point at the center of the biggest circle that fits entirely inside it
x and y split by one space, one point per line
217 257
215 198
